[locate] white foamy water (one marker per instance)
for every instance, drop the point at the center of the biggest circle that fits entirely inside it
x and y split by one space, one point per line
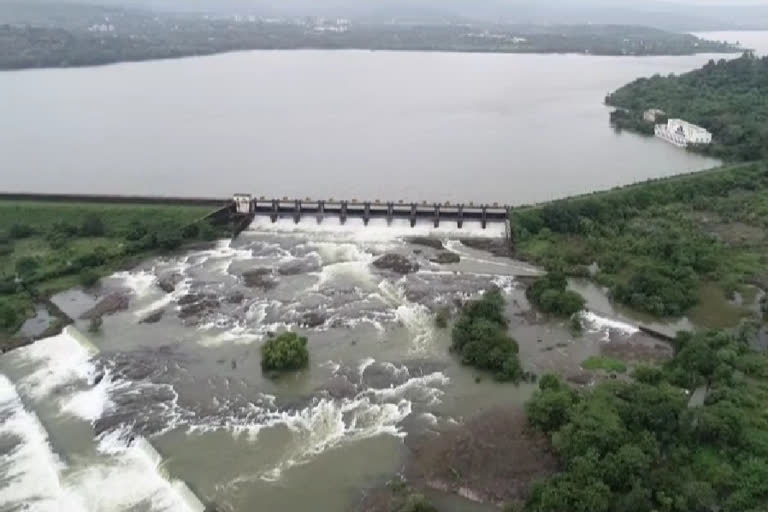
30 470
377 230
59 361
139 282
603 324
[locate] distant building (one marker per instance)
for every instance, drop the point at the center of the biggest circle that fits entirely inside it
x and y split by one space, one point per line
681 133
243 203
651 114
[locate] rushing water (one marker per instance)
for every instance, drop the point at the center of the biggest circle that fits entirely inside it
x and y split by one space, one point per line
355 124
77 413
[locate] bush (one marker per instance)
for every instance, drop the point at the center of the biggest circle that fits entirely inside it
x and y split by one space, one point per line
8 286
5 249
480 338
442 317
136 231
169 238
88 278
19 231
26 267
9 318
550 295
287 351
92 226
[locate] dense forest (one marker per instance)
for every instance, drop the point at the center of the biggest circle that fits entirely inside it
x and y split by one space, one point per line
689 436
81 36
655 245
728 97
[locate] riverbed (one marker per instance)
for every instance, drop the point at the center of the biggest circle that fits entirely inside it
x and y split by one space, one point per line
188 380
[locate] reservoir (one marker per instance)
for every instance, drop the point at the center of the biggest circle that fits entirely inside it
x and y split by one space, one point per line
341 124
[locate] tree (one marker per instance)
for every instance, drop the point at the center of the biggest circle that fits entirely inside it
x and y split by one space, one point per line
287 351
19 231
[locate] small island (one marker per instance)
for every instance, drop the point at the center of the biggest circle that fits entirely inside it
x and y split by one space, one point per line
285 352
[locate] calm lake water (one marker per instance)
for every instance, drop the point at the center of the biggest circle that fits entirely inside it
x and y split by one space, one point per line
354 124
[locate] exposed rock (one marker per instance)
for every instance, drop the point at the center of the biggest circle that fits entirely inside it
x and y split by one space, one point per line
496 246
426 241
313 319
153 317
196 304
472 460
396 263
109 305
445 258
168 282
263 278
235 298
297 267
340 387
580 379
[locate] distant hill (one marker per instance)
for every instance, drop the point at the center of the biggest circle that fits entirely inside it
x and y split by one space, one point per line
672 15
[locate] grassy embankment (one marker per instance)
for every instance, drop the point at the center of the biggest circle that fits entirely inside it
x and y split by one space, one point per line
47 247
668 247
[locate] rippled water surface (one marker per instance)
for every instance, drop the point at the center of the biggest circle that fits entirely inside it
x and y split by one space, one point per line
84 417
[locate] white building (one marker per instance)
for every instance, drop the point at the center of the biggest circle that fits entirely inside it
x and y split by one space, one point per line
650 115
681 133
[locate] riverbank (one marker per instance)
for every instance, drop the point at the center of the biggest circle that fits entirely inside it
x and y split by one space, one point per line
47 247
694 243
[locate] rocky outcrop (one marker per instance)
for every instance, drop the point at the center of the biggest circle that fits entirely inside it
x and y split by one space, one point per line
153 317
296 267
263 278
235 298
396 263
496 246
433 243
313 319
446 258
109 305
168 282
197 304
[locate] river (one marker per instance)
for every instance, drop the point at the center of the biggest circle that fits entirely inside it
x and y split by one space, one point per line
149 417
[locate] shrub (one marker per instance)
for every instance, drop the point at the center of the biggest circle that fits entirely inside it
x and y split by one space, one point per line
92 226
5 249
480 338
136 231
442 317
8 316
26 266
88 278
207 231
287 351
19 231
169 238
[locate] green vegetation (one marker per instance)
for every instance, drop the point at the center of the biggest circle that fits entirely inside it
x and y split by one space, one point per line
442 317
550 295
58 36
729 98
46 247
480 338
608 364
657 244
640 446
287 351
